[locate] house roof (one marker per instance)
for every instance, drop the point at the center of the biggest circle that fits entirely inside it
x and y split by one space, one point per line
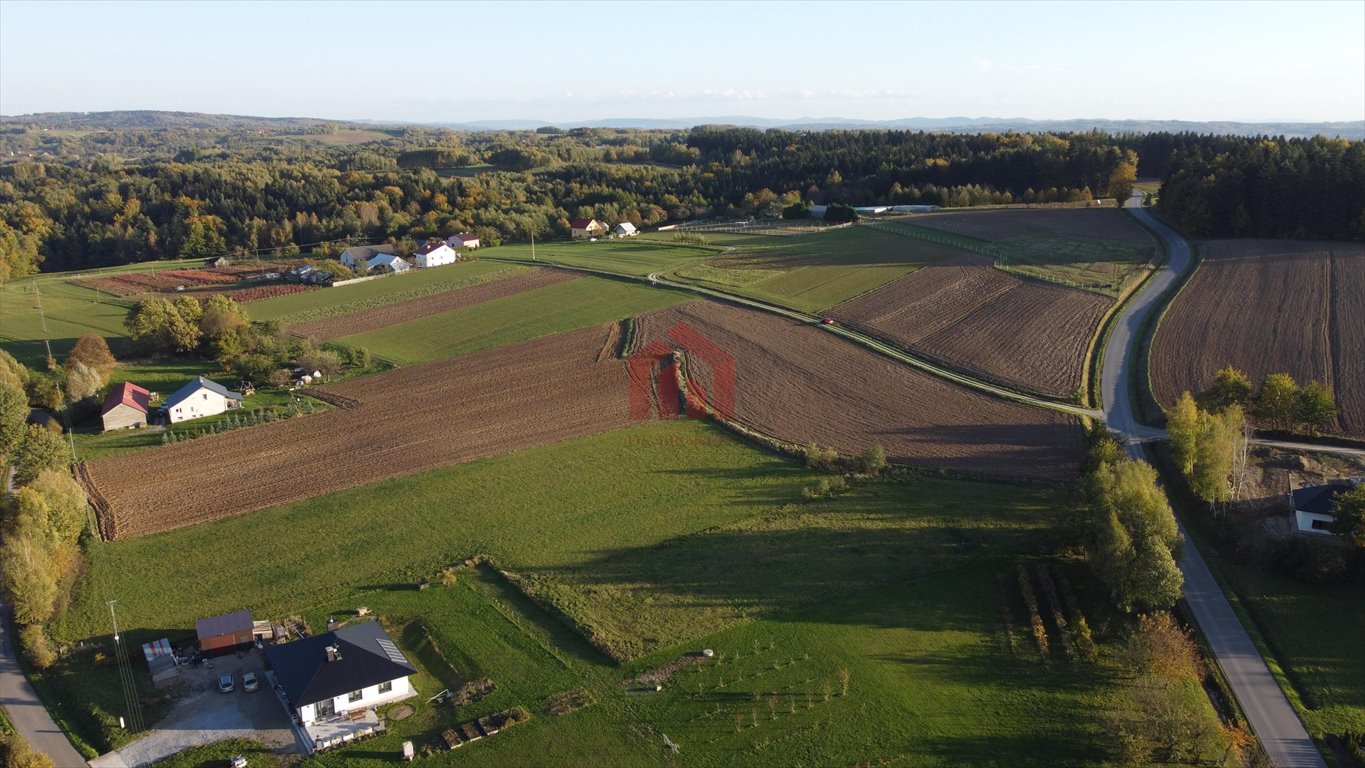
128 394
196 384
387 258
582 223
227 624
1318 499
367 252
626 226
368 657
466 236
429 247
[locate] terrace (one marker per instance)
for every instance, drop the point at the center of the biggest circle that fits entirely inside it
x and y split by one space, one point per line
343 729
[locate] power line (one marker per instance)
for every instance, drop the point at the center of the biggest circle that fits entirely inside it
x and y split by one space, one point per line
130 698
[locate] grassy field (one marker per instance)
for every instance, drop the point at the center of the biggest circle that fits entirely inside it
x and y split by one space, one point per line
71 311
676 535
628 256
331 302
1100 266
551 309
815 271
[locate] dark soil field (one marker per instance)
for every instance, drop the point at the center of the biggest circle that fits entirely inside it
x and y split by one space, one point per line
801 385
394 314
396 423
1022 333
1270 306
1078 223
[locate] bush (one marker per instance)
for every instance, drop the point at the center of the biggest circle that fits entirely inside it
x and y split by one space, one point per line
16 753
820 459
1312 561
873 460
36 646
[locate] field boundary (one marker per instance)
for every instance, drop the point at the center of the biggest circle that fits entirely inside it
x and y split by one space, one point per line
104 519
1141 383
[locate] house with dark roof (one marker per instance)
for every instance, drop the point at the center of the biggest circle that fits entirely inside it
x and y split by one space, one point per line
340 674
126 406
1313 504
434 254
199 398
582 229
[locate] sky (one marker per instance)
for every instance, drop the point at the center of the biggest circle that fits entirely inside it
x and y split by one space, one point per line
574 61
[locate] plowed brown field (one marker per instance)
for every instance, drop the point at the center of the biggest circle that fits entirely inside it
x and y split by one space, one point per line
397 423
803 385
968 315
404 311
1079 223
1270 306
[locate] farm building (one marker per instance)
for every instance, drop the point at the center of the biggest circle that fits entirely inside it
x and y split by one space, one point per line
1313 504
356 255
582 229
160 661
217 261
125 407
466 240
226 633
387 262
435 254
336 678
308 275
625 229
199 398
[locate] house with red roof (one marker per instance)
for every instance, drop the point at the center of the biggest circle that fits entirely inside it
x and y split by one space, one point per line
467 240
125 407
582 229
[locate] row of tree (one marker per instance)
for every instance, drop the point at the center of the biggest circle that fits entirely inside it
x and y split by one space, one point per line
1280 403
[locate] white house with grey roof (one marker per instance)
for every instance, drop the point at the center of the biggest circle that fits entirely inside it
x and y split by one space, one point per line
337 677
199 398
1314 505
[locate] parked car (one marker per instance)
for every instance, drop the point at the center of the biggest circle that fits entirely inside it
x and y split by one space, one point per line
225 683
237 761
249 682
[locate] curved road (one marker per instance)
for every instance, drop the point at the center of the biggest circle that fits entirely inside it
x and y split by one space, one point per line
1278 727
23 708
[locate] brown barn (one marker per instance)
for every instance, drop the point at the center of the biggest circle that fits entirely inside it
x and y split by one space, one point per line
224 634
126 406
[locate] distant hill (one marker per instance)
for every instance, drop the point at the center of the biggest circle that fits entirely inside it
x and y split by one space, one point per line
150 119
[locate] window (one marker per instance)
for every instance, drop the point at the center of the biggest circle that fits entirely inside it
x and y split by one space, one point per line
353 696
1321 525
386 687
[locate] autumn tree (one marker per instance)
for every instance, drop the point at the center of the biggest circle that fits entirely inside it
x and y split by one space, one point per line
157 325
1314 405
1230 387
1131 536
13 418
1348 512
82 381
12 372
1182 422
92 351
1220 442
1277 399
40 449
63 504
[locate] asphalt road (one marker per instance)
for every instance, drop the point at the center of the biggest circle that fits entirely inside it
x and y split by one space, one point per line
23 708
1274 721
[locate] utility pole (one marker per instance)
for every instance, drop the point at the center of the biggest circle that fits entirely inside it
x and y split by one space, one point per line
130 699
42 317
533 246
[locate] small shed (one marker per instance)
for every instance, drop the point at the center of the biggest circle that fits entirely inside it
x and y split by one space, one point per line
217 262
226 633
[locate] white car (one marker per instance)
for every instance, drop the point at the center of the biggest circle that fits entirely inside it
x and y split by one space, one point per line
225 683
249 682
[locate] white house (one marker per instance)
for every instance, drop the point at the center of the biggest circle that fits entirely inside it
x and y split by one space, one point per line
466 240
334 677
200 398
356 255
434 254
388 262
625 229
1313 504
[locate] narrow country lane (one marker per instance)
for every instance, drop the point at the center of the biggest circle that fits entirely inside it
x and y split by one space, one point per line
23 708
1278 727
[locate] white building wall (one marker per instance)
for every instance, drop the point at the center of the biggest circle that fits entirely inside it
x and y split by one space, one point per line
439 257
198 405
1304 522
369 697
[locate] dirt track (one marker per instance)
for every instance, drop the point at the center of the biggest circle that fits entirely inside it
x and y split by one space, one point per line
802 385
416 309
968 315
404 421
1270 306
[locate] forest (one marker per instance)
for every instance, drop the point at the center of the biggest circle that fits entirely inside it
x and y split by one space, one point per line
74 196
